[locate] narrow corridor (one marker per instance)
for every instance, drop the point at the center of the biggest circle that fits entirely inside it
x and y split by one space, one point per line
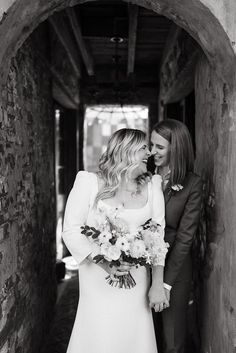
57 58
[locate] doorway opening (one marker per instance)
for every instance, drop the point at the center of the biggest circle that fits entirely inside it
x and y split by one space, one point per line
100 123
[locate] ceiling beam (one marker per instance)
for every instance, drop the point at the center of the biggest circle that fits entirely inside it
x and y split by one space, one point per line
61 29
59 81
87 58
133 24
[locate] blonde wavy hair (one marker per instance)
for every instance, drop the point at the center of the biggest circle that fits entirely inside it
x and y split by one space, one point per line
119 160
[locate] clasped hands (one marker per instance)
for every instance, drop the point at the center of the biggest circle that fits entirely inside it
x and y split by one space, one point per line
159 297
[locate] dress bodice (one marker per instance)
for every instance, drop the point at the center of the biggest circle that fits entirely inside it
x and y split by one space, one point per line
133 217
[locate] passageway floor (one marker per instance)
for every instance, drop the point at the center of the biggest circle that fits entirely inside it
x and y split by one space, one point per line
68 294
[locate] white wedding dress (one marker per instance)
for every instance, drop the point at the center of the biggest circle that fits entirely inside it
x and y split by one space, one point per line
109 319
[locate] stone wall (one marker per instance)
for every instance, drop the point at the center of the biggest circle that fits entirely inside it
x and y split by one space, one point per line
216 161
27 204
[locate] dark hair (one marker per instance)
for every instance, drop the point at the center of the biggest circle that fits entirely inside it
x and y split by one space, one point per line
181 148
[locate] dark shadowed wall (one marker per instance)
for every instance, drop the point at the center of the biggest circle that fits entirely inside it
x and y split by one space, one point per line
27 203
216 161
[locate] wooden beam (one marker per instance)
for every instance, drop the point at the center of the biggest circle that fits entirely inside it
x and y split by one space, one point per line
105 95
87 58
61 29
59 81
133 24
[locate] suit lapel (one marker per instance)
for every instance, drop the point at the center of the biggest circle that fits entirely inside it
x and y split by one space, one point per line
167 194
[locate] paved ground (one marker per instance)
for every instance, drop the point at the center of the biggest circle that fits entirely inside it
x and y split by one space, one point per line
64 317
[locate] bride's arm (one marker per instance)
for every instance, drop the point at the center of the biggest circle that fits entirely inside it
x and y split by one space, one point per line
157 295
76 213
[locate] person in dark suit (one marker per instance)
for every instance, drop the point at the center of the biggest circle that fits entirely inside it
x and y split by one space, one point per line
174 161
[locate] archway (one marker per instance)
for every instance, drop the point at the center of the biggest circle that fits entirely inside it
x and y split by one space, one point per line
24 16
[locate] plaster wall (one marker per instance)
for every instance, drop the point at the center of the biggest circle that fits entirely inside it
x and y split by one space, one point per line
225 12
4 6
216 162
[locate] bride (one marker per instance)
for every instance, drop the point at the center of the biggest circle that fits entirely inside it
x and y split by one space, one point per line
111 319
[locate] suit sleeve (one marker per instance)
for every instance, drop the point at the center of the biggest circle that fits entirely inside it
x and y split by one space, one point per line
185 234
76 213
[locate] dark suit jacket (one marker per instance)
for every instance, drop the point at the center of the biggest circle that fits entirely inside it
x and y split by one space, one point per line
182 217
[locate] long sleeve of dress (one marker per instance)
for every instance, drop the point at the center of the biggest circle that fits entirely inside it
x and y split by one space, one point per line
158 212
76 213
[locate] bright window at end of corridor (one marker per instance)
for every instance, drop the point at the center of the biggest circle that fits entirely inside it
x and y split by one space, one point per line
102 120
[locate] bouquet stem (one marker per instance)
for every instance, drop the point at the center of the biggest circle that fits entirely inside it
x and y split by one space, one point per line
126 281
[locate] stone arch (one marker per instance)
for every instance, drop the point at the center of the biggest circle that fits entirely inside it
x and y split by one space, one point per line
25 15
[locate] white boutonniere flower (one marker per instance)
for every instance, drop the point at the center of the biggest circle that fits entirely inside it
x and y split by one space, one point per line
177 187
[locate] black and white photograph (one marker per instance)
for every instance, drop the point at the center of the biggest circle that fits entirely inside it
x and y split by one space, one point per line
117 176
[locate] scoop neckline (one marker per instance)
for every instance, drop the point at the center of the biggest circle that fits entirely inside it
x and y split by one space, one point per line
120 207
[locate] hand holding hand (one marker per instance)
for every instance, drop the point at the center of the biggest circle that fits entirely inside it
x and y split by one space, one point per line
167 293
157 298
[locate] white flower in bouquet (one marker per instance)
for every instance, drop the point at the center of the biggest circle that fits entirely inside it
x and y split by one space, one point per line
148 238
131 236
110 252
104 237
137 248
159 250
104 248
154 227
123 244
113 253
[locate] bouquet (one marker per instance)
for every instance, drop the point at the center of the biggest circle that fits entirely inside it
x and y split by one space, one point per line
113 242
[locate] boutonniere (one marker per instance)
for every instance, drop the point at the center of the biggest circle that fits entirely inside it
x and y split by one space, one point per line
174 188
177 187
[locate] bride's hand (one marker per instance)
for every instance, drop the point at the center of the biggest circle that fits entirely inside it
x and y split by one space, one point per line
125 267
157 298
114 270
121 270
